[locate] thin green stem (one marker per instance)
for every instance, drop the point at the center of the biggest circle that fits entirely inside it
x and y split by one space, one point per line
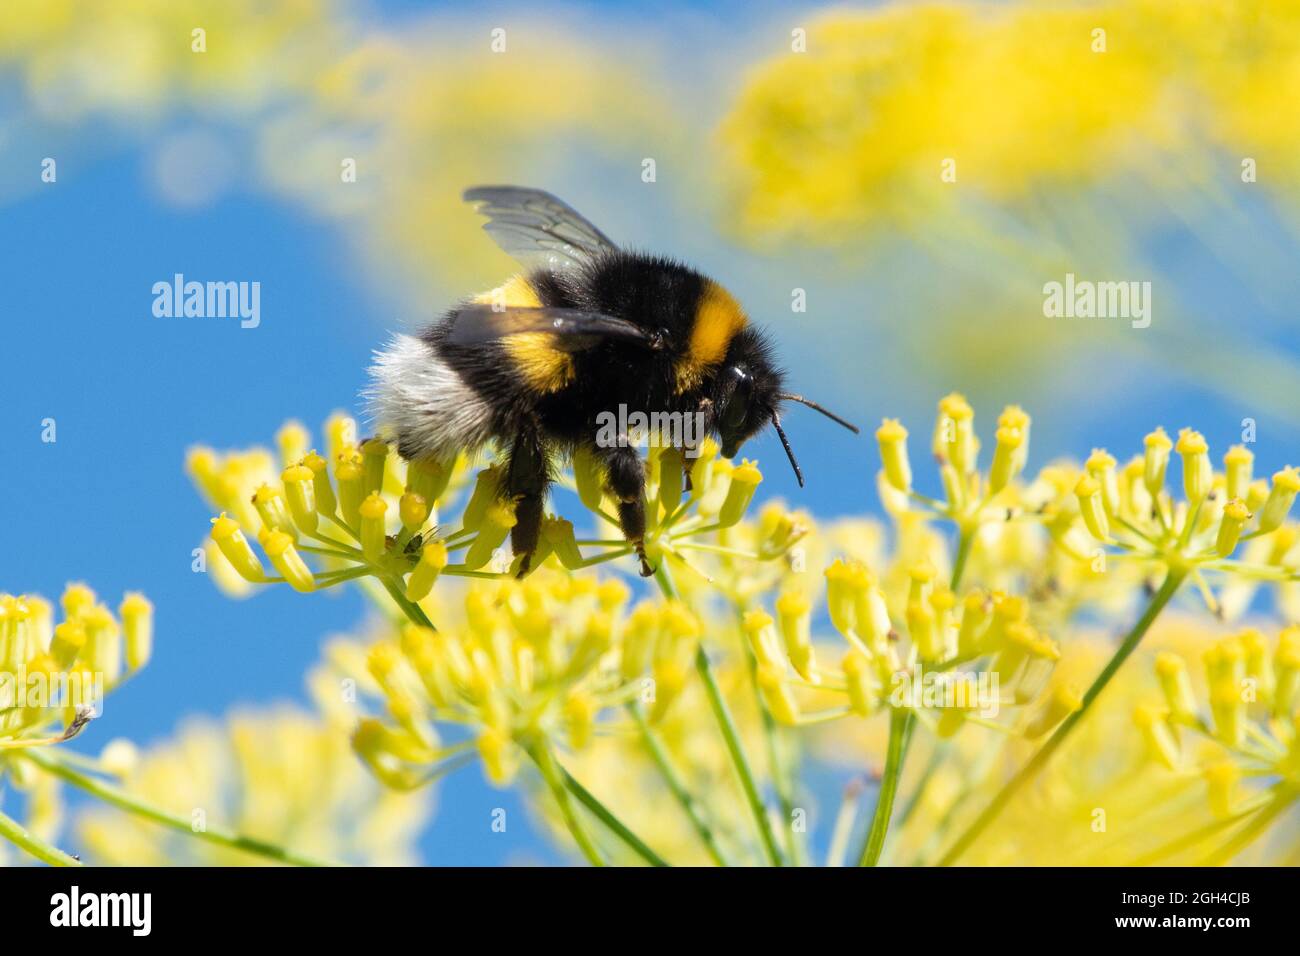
675 785
844 820
329 552
965 540
901 723
124 801
937 755
780 782
545 760
344 525
24 839
1173 580
331 578
613 823
729 735
412 610
717 549
665 582
732 738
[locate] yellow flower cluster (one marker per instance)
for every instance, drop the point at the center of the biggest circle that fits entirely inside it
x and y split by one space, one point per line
1129 514
748 649
878 669
853 131
918 643
1122 530
1109 799
359 511
1251 710
53 681
526 664
1225 524
58 674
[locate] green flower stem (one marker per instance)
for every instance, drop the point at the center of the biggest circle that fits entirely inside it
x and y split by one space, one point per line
901 724
615 825
939 752
675 785
1173 580
738 759
412 610
329 552
780 782
16 833
545 760
965 542
124 801
729 735
331 578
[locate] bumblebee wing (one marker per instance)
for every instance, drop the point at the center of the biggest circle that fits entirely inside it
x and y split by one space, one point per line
537 229
574 329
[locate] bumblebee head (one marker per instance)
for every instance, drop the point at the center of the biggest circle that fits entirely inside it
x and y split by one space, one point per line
744 405
748 396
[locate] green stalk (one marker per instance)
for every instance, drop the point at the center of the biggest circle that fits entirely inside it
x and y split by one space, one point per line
615 825
545 760
780 783
124 801
738 759
729 735
675 785
413 611
16 833
965 540
1134 637
901 723
937 755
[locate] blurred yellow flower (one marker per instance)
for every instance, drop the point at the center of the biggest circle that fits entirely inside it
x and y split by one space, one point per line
889 107
53 681
277 775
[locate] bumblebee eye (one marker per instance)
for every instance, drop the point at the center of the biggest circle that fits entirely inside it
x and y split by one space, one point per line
738 402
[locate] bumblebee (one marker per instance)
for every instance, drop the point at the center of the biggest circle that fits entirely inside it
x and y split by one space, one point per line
539 363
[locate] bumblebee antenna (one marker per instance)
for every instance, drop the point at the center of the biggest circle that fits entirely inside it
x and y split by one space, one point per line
815 407
785 443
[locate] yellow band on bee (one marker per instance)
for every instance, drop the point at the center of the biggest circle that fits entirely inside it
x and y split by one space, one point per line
718 318
543 366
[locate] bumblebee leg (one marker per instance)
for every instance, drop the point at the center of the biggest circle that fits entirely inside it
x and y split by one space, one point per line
527 477
690 444
626 481
689 457
525 533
